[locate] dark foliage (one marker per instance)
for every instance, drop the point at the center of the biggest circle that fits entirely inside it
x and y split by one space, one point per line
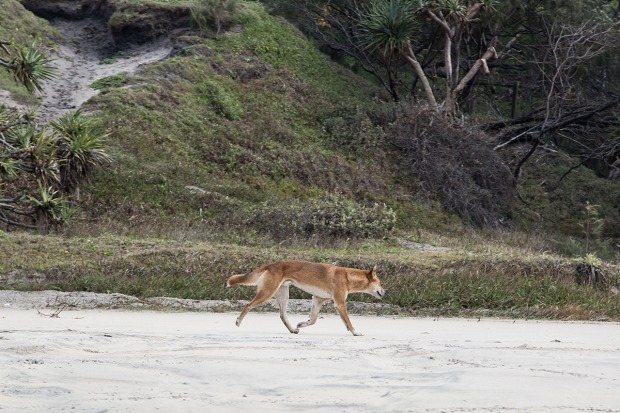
458 165
590 274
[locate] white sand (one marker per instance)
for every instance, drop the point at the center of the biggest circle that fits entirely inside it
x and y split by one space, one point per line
143 361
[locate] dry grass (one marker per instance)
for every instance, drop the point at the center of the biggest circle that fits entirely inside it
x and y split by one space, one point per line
493 280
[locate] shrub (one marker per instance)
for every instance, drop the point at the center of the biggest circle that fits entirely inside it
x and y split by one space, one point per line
353 130
213 15
456 165
590 273
334 217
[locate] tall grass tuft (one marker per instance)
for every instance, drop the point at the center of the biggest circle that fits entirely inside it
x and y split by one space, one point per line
213 16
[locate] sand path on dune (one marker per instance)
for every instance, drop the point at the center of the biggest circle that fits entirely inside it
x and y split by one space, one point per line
85 54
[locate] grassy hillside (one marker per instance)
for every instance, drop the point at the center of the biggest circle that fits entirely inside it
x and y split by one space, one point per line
202 139
252 146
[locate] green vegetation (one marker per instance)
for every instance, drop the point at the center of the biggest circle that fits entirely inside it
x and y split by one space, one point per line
213 15
22 28
329 217
223 102
41 171
558 206
109 82
108 61
508 283
251 146
39 168
245 131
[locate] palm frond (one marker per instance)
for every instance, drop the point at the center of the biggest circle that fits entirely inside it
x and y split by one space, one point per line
43 157
81 146
20 136
389 25
51 204
30 67
9 167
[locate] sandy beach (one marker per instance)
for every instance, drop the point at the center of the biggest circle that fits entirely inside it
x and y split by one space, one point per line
146 361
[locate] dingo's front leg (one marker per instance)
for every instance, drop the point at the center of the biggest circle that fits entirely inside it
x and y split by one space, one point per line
341 306
317 303
281 297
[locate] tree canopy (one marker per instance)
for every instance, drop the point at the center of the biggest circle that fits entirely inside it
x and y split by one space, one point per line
543 73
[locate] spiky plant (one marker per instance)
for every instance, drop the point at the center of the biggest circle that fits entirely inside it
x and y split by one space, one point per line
32 151
589 271
81 148
389 26
28 65
51 206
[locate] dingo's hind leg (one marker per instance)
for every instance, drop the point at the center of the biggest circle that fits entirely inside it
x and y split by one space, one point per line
317 303
281 297
266 288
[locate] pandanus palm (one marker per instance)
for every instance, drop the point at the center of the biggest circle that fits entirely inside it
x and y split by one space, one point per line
388 28
81 148
28 65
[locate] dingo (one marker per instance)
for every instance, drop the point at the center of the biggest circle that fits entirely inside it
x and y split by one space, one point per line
325 282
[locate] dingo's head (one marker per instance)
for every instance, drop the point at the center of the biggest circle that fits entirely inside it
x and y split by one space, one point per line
374 284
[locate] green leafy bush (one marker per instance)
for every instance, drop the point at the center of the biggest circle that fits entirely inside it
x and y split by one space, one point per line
354 130
334 217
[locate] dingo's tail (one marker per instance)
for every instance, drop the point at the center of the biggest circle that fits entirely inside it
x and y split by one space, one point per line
246 279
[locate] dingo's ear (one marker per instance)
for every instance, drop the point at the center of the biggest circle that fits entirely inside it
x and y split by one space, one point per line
373 272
